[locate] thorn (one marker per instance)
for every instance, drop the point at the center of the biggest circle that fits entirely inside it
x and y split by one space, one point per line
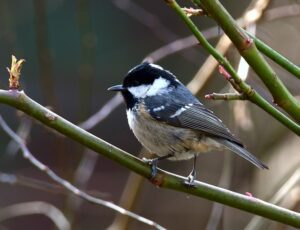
224 72
50 116
208 96
249 194
192 12
248 43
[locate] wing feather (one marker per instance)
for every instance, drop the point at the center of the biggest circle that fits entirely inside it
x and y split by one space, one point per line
193 116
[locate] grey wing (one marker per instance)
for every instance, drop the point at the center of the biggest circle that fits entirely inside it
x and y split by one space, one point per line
194 116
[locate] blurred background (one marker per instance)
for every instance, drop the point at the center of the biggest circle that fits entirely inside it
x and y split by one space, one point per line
74 51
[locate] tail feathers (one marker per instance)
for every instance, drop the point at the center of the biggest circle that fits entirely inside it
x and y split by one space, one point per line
239 150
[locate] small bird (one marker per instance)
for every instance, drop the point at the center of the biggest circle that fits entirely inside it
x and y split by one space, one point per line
169 121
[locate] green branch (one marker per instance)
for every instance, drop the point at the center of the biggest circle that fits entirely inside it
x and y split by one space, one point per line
19 100
248 50
276 57
244 88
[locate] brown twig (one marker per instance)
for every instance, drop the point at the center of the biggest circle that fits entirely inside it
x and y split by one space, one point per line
33 183
225 96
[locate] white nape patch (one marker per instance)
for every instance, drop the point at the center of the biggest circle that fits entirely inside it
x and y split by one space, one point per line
159 86
159 108
156 66
139 91
178 112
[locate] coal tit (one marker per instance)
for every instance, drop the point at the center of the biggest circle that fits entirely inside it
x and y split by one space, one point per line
170 122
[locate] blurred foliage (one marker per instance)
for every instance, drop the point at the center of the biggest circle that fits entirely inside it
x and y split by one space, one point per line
75 50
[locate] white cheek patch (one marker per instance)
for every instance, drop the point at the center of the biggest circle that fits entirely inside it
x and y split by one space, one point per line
139 91
159 86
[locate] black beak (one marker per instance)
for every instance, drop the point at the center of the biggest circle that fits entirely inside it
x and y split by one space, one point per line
116 88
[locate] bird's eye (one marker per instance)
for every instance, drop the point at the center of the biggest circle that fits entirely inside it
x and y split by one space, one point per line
136 83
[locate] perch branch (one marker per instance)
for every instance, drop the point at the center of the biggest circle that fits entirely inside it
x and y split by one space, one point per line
67 185
163 179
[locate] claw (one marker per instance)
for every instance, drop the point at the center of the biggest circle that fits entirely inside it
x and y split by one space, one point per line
153 164
189 181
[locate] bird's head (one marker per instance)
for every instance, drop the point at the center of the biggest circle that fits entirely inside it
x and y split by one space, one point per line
145 80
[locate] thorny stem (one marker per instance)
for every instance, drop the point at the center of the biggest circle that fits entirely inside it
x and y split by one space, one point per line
189 41
250 93
163 179
276 57
259 9
246 46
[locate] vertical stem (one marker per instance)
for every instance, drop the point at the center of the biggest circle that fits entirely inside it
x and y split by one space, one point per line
250 93
246 46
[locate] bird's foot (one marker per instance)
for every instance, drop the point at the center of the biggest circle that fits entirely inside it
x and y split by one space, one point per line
153 164
189 181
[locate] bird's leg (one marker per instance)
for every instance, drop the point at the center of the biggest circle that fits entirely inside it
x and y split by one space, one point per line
191 177
153 163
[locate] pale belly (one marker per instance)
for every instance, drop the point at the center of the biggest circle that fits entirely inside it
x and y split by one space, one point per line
163 139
